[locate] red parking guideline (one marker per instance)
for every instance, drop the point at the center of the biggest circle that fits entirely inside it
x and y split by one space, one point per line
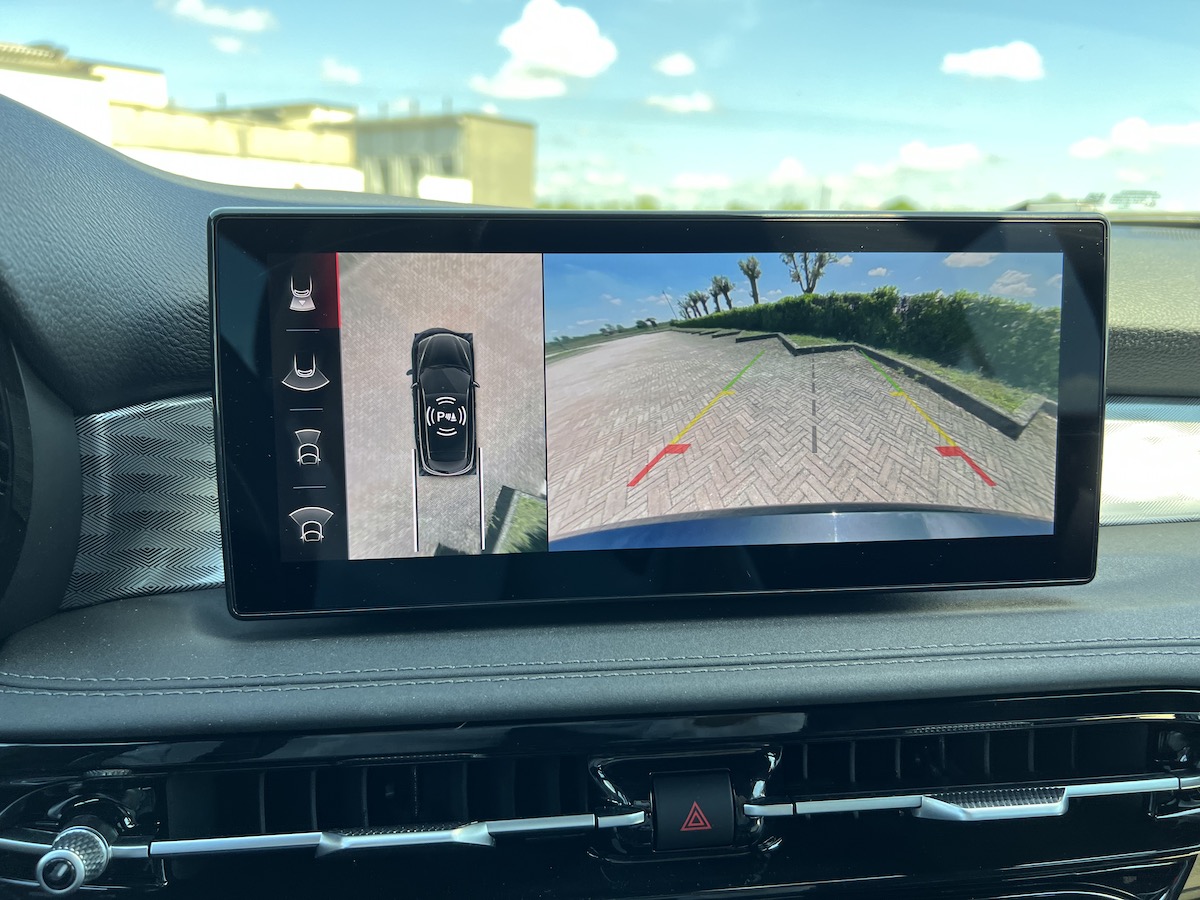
959 451
670 448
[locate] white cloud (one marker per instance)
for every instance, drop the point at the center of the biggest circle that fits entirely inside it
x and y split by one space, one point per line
606 179
490 109
228 44
701 181
878 272
790 171
1018 60
969 260
547 45
615 301
1139 136
588 321
844 261
514 82
1013 284
335 72
676 65
561 180
250 18
871 170
697 101
775 292
1054 281
1089 148
1132 176
918 156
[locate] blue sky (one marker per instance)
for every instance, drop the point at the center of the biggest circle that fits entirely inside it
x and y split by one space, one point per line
844 103
585 291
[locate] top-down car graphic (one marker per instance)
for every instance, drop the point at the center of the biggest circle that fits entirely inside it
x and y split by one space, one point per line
443 373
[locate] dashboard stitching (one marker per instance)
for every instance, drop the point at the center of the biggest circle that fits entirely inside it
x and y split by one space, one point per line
564 676
395 670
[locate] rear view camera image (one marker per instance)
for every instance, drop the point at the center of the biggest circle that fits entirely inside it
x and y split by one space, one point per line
444 411
728 399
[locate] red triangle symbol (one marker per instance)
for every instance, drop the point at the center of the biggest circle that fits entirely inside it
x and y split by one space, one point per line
696 820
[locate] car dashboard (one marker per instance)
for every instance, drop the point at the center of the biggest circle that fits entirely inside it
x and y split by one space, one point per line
1009 742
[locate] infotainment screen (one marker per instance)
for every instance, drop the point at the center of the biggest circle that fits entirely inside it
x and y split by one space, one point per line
437 408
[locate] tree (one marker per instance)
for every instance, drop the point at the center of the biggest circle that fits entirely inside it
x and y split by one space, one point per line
753 272
716 297
652 321
900 204
641 323
1127 198
807 271
698 299
721 287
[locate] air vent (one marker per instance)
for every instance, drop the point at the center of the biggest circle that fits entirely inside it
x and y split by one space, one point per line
937 759
374 796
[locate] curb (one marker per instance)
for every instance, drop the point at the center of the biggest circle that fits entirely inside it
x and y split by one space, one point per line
1009 424
500 512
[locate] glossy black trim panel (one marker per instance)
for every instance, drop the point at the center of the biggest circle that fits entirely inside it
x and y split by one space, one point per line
600 736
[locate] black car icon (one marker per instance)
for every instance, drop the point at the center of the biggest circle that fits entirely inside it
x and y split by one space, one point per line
443 373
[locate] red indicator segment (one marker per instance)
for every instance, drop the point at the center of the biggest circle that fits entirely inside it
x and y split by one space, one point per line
959 451
670 448
696 820
337 286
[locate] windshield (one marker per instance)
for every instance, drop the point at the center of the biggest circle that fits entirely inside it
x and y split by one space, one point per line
763 104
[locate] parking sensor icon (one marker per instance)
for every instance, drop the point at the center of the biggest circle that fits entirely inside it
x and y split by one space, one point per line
305 378
302 300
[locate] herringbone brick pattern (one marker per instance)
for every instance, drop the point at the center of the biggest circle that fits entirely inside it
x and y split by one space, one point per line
822 428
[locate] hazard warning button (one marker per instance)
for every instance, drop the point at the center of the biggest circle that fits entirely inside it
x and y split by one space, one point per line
693 810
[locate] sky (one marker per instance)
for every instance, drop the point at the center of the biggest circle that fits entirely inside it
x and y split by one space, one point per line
586 291
699 103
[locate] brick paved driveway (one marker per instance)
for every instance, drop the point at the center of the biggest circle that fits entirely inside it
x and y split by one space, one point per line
818 428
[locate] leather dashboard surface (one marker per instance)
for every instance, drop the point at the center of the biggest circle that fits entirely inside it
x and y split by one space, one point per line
178 664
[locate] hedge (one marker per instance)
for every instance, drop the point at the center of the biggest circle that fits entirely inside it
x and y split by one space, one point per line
1013 342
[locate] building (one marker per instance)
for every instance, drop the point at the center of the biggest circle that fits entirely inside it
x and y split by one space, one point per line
464 158
128 108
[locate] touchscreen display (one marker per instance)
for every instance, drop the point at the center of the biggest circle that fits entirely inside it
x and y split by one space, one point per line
449 403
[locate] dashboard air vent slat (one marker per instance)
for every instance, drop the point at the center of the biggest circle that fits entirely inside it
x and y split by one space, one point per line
388 795
932 759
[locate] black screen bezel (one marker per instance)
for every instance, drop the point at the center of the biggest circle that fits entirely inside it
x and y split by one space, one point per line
259 583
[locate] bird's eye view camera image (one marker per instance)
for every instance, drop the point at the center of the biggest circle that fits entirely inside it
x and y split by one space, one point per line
444 411
714 399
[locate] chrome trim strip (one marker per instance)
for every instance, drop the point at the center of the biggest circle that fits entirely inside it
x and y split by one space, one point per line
240 844
1112 788
944 807
755 810
621 820
542 824
933 808
12 845
331 842
37 848
857 804
130 851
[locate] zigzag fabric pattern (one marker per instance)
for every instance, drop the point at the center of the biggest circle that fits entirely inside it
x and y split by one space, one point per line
150 517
